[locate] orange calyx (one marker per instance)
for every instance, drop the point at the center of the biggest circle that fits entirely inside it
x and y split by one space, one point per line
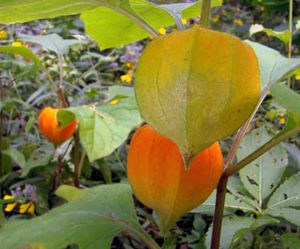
159 180
49 126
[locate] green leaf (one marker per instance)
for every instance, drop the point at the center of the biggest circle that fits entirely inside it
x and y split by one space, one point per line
238 190
106 171
112 28
290 214
15 11
235 228
229 227
273 66
70 193
284 36
286 97
64 118
194 9
262 221
170 242
52 42
231 202
41 156
106 23
30 123
293 123
259 222
90 221
119 92
102 129
236 199
261 176
287 194
290 240
25 52
16 156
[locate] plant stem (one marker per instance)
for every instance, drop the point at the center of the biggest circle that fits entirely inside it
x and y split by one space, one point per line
260 151
177 19
60 93
290 43
57 173
205 13
1 125
219 210
78 169
76 160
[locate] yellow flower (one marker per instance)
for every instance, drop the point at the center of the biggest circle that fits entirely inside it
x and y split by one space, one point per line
114 102
9 207
129 64
127 77
184 21
18 44
282 121
28 207
297 77
3 34
216 18
162 31
238 22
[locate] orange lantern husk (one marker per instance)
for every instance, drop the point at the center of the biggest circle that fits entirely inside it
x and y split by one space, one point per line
159 179
49 126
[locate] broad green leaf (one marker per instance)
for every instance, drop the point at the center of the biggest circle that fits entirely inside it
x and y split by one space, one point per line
119 92
284 36
290 240
236 227
188 10
292 215
102 129
15 11
193 95
25 52
194 9
16 156
229 227
262 221
112 28
236 199
106 171
231 203
90 221
42 156
170 243
273 66
259 222
52 42
64 118
70 193
261 176
286 97
294 154
287 194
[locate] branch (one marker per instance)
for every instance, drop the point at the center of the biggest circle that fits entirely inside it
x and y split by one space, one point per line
261 150
205 13
219 210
